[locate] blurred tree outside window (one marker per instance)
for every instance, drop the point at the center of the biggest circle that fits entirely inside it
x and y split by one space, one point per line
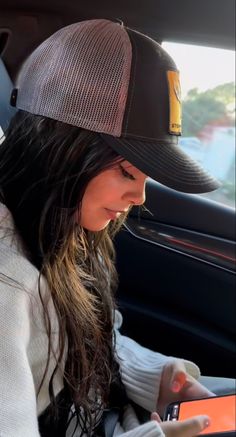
208 112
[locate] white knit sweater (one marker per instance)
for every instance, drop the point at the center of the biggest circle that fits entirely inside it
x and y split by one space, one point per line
23 350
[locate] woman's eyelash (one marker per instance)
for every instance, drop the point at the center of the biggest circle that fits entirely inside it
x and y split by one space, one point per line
126 174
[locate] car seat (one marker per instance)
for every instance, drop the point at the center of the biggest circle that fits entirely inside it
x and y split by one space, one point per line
6 110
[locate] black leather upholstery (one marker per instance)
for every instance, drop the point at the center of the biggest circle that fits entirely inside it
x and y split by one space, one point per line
6 111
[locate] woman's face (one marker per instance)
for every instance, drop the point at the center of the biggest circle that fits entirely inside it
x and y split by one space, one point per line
111 193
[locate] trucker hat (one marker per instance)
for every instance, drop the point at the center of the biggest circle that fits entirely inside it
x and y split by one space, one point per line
104 77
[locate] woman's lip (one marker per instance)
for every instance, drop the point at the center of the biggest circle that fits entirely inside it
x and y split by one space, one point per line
113 214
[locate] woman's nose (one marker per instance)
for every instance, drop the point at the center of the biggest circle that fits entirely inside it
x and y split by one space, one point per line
138 196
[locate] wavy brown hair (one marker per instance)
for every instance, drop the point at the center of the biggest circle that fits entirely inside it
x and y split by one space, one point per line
45 167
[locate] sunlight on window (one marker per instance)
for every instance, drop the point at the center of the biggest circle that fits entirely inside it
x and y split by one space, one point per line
1 135
208 96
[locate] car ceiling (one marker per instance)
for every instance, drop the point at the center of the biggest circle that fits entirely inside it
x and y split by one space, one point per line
24 24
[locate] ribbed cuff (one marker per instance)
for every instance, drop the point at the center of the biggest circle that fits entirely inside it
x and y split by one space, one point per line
142 386
141 371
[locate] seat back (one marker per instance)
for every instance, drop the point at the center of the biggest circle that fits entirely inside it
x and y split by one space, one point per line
6 110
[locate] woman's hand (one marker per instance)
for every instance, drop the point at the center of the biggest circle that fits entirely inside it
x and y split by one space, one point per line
176 385
186 428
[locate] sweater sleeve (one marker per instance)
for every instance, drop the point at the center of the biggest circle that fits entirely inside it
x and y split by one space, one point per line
18 411
131 427
141 368
149 429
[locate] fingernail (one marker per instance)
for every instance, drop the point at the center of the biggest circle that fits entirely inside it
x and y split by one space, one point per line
155 416
176 386
207 421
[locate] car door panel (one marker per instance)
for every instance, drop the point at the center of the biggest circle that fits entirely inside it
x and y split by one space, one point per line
177 283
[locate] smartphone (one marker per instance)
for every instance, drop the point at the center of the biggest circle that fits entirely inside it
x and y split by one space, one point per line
220 409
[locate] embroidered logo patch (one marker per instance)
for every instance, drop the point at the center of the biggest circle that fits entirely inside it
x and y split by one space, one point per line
175 115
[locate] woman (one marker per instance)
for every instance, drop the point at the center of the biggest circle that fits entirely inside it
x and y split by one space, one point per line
99 112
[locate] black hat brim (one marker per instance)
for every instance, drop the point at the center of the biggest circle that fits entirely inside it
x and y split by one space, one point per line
164 162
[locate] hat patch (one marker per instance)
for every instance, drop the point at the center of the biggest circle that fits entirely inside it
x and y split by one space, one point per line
175 112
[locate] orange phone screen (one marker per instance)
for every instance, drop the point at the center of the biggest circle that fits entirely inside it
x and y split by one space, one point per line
221 411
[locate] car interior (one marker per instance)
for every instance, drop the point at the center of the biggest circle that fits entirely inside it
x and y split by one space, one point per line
175 256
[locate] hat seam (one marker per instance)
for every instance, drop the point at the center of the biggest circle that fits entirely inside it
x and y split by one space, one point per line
126 74
134 65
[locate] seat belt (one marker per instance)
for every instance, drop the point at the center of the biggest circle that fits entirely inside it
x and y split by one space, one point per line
110 421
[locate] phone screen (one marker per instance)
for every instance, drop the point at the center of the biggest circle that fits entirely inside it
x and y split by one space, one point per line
221 411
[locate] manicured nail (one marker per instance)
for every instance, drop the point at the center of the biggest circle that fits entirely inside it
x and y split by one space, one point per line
155 416
176 386
207 421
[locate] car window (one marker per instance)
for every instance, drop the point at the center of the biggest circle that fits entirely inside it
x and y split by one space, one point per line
208 94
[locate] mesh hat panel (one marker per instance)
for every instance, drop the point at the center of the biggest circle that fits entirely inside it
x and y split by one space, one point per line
80 78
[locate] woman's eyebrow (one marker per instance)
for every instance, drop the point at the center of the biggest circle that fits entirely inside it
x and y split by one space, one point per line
127 165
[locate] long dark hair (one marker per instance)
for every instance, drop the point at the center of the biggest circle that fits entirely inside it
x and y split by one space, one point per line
45 167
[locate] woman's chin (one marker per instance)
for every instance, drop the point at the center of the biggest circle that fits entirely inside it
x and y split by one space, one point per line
96 227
